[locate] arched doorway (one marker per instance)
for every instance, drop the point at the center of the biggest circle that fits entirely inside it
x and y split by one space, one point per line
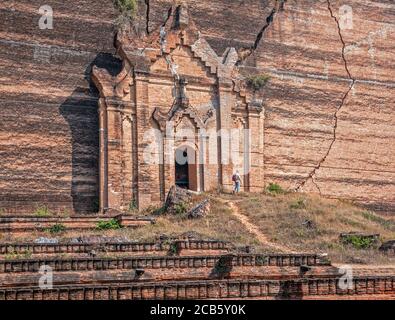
185 168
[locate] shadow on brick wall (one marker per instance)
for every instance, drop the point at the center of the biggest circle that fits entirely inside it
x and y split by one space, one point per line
290 289
80 112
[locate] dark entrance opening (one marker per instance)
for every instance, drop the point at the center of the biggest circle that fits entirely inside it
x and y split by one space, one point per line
182 168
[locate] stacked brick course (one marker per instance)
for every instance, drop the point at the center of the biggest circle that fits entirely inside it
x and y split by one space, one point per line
197 273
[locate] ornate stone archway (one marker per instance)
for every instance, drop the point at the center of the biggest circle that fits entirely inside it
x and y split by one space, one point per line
170 79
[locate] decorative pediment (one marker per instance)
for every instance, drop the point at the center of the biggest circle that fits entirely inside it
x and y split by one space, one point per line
181 108
178 30
162 118
140 55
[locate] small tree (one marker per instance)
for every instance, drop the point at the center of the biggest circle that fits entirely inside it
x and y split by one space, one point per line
257 82
127 9
274 188
111 224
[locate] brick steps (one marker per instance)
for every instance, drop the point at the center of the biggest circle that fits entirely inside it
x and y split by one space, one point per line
373 287
108 271
21 224
25 272
156 262
163 248
164 274
177 268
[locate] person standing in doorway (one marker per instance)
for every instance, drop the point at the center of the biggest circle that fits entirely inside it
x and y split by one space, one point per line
237 182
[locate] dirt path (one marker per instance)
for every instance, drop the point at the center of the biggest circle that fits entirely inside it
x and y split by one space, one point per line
254 229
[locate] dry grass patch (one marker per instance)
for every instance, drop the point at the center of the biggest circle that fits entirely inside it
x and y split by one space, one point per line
309 223
218 225
301 222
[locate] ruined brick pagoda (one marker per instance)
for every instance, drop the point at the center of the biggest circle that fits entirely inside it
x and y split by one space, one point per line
175 96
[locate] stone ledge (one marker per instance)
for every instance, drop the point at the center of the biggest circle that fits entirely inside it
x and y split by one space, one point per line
31 223
377 287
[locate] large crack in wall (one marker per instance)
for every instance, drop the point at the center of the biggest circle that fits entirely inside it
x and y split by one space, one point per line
147 16
247 52
312 174
169 60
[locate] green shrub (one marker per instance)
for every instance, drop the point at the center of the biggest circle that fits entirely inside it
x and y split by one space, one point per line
127 7
258 82
359 242
127 12
180 208
11 252
111 224
10 256
274 188
173 249
27 254
261 260
42 211
57 228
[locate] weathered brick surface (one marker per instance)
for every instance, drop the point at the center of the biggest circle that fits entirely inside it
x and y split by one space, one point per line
80 275
199 276
15 224
379 288
48 111
302 49
287 262
189 247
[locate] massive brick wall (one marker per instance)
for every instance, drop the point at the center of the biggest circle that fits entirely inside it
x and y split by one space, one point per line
329 104
48 109
330 107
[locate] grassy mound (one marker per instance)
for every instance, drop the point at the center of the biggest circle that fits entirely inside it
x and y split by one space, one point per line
300 222
309 223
